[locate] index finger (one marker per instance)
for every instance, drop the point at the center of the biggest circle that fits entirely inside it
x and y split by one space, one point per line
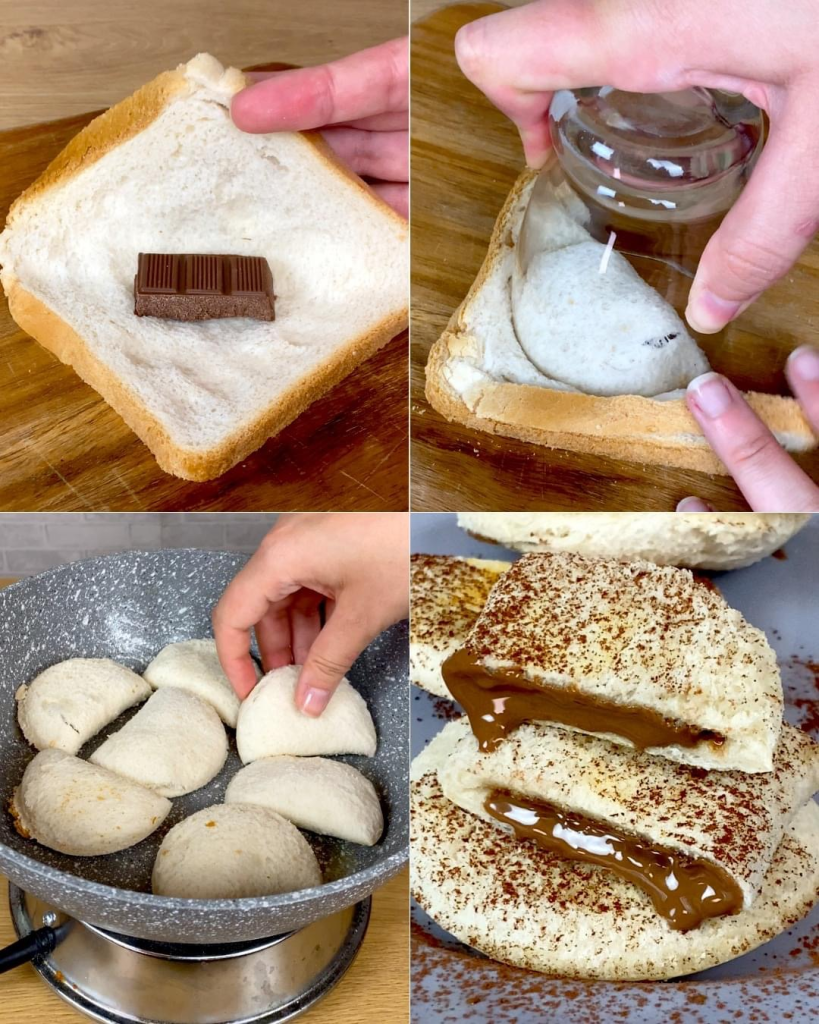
243 604
767 476
367 83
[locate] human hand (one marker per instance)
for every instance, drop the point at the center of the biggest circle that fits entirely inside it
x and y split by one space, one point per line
360 103
521 56
355 563
767 476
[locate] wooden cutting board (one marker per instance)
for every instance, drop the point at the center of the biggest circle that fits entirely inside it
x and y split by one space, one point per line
465 157
62 448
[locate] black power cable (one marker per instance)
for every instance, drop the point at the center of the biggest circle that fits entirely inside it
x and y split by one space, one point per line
38 943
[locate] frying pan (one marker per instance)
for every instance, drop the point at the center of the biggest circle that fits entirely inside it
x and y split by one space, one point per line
127 607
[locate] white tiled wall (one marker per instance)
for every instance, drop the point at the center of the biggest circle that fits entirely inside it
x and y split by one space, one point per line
33 541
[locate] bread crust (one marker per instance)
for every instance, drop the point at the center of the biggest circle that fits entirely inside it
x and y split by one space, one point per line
623 427
53 333
113 127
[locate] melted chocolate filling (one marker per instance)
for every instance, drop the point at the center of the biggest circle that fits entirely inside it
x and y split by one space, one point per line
498 701
684 891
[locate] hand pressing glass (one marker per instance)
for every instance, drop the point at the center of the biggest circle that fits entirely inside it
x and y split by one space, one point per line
355 565
359 103
767 51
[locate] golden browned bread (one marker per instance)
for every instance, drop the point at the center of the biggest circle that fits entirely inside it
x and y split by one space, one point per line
446 595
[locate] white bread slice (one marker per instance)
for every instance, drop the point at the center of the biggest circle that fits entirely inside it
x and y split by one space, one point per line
718 540
166 170
446 596
478 375
519 904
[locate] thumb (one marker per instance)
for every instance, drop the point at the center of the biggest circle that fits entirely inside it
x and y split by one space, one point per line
764 233
343 638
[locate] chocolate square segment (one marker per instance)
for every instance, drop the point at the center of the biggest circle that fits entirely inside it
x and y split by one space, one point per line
203 286
204 275
158 274
249 275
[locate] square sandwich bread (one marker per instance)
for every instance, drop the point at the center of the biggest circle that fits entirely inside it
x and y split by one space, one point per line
166 170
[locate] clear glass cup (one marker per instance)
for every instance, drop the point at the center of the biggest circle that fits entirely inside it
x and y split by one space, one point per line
650 177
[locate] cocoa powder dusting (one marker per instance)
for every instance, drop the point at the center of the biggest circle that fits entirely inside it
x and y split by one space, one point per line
446 710
800 679
451 985
446 595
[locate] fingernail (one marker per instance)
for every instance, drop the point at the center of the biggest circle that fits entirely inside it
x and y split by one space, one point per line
804 362
693 505
708 313
712 395
315 701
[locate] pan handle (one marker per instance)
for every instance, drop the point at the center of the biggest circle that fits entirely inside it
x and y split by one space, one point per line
37 943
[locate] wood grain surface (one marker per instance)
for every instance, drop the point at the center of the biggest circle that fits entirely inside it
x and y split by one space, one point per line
375 990
62 448
465 157
63 57
420 9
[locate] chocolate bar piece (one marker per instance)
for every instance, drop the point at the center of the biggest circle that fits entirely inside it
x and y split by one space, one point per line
195 286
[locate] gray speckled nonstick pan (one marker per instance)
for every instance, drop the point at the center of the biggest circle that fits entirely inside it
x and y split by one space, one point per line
127 607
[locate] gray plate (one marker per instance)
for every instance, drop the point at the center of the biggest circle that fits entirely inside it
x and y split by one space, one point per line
127 607
779 981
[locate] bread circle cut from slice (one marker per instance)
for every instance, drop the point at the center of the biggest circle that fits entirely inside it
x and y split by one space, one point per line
641 654
270 723
175 744
83 810
719 540
524 906
193 665
68 703
229 851
315 793
733 820
446 595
